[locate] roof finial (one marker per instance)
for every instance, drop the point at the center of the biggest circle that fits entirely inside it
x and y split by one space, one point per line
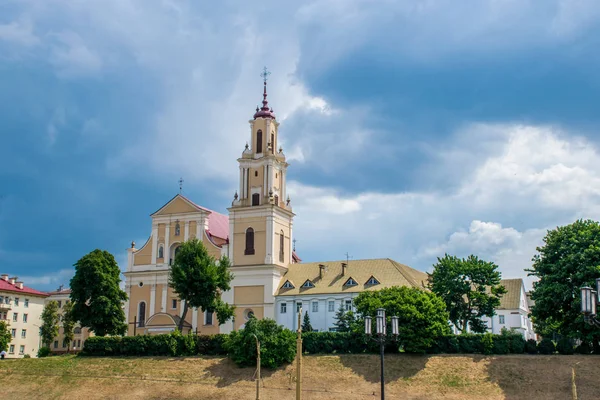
294 248
264 111
180 185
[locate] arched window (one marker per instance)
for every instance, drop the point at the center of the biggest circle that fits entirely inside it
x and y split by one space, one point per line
281 242
259 141
276 198
161 251
249 241
256 199
272 143
142 314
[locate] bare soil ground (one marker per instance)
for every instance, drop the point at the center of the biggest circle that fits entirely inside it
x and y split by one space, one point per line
345 377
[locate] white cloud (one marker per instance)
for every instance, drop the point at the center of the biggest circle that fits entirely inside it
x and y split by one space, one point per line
19 33
48 281
56 123
537 179
72 57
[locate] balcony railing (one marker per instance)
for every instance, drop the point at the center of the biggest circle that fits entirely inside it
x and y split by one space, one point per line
4 307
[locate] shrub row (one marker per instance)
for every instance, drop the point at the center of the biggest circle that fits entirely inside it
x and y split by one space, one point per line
173 344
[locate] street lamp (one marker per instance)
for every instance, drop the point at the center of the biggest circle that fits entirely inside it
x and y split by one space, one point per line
381 337
589 302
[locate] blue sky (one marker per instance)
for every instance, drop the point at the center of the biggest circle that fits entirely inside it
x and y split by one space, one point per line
413 128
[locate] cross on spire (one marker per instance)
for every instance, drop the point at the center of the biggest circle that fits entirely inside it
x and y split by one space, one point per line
265 74
180 185
294 241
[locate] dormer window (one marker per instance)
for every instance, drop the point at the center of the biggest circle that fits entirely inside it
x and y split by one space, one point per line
350 282
372 281
308 284
287 285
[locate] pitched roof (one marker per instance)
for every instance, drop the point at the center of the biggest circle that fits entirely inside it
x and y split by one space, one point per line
511 300
388 272
57 292
6 286
218 224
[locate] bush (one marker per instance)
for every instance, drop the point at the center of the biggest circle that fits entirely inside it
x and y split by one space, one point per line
278 344
470 343
172 344
583 348
487 341
565 346
517 344
501 345
531 346
546 346
44 352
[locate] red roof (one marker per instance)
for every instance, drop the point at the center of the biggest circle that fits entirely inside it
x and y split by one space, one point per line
218 224
9 287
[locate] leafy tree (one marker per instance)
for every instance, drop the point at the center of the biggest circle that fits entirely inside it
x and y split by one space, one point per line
422 315
568 260
96 295
344 320
277 344
306 326
199 279
50 320
5 336
470 288
68 324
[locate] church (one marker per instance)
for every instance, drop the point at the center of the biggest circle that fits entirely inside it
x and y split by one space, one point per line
270 281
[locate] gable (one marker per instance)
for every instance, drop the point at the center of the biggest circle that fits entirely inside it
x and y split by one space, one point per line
178 205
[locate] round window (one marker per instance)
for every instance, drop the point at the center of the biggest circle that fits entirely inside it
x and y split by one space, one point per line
141 284
248 314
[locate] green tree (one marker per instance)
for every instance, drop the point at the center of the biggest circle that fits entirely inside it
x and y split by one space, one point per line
199 279
422 314
568 260
344 320
50 320
68 324
306 326
470 288
96 295
277 344
5 336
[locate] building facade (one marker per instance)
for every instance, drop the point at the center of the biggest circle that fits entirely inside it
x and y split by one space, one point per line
59 345
21 307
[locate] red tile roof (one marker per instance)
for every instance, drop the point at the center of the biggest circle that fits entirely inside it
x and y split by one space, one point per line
218 224
9 287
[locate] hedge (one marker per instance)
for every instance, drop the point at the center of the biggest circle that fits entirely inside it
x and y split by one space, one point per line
172 344
175 344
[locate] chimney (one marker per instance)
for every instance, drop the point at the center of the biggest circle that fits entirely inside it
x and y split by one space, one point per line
60 288
321 271
4 277
19 284
13 279
344 266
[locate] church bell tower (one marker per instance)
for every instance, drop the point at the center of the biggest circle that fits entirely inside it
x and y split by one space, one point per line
261 217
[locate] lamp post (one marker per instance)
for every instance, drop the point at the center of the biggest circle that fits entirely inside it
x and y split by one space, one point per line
381 338
589 302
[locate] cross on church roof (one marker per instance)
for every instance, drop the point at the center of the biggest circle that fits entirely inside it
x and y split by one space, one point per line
265 74
180 185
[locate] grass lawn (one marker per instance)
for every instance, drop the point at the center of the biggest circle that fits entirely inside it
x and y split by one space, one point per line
325 377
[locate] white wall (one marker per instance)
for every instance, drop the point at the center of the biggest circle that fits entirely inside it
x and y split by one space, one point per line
321 320
32 326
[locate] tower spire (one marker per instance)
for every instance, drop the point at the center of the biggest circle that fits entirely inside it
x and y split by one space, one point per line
265 111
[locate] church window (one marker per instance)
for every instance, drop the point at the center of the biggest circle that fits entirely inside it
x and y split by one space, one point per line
275 175
288 285
142 314
283 308
208 318
141 284
161 252
308 284
177 229
272 142
255 173
276 200
372 281
259 141
281 242
256 199
248 313
173 304
249 242
350 282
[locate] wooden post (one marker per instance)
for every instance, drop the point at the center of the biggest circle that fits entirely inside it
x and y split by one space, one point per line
573 386
299 358
257 369
134 324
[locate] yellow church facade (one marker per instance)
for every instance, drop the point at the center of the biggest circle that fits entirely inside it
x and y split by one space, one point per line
257 236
